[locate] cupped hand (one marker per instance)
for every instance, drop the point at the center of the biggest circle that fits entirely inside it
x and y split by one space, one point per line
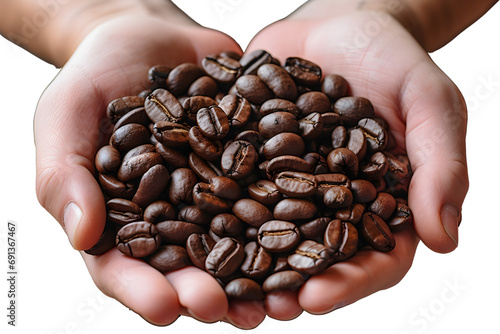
70 125
427 116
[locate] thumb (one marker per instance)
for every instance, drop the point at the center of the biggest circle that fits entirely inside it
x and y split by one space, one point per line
436 129
66 136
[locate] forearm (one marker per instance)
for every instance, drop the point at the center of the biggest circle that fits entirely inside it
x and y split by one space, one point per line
433 23
53 29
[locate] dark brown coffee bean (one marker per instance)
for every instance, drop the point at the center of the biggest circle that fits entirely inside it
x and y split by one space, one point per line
122 211
172 157
284 280
278 236
137 115
311 126
223 69
326 181
314 229
213 122
138 165
157 76
353 108
226 225
181 186
203 86
304 72
257 261
278 122
107 159
168 258
376 232
375 168
198 246
376 136
218 196
279 105
341 238
171 134
251 136
116 188
286 163
182 76
339 137
238 159
296 184
317 163
205 170
225 258
309 258
334 86
313 102
285 143
194 214
280 82
343 160
145 148
106 241
120 106
351 214
253 89
252 212
251 62
138 239
290 209
396 169
161 105
401 218
159 211
243 288
357 142
363 191
237 109
330 121
177 231
151 185
383 205
204 147
192 104
265 192
338 197
129 136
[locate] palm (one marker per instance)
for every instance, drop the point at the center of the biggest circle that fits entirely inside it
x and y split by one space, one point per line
383 63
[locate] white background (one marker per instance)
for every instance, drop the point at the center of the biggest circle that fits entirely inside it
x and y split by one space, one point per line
453 293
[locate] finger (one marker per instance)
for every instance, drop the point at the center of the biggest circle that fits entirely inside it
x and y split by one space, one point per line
199 293
136 285
246 314
283 305
369 271
435 140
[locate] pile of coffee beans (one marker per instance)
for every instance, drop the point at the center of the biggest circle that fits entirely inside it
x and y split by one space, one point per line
261 174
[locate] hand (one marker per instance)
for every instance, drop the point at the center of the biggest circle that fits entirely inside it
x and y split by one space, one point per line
427 115
70 125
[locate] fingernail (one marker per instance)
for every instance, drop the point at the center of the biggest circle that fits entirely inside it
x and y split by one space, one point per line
71 219
450 219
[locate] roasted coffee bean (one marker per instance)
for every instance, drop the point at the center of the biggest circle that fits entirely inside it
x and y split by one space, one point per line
285 143
376 232
250 62
226 225
375 168
334 86
353 108
252 212
290 209
138 239
161 105
330 121
137 115
304 72
253 89
309 258
251 233
280 82
203 169
173 157
317 163
182 181
278 236
157 76
357 142
376 136
198 246
351 214
129 136
159 211
168 258
122 211
107 159
339 137
383 205
257 261
341 238
265 192
145 148
177 232
151 185
106 241
203 86
313 101
194 214
363 191
326 181
238 159
192 104
284 280
311 126
116 188
244 289
171 134
218 196
213 122
284 163
120 106
237 109
314 229
223 69
278 122
296 184
204 147
338 197
279 105
225 258
137 165
182 76
343 160
251 136
396 168
401 218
